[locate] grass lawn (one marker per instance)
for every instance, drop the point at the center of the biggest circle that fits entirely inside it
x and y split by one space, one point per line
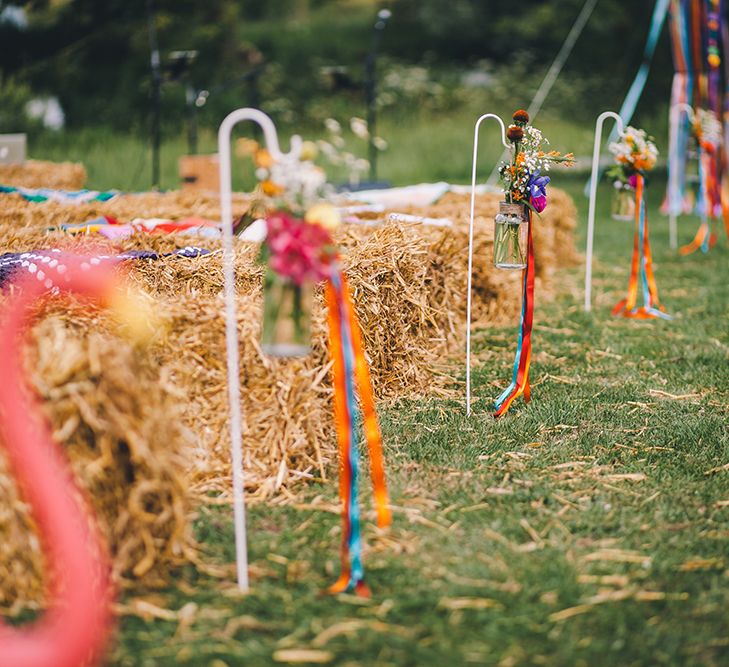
590 527
422 146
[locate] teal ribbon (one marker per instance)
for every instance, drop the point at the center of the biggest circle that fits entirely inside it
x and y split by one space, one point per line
354 539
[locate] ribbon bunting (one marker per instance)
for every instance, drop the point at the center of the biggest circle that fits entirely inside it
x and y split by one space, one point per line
641 270
520 378
351 378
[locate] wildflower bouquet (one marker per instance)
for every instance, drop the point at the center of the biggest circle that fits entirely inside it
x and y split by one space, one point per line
524 176
525 189
635 154
299 249
525 185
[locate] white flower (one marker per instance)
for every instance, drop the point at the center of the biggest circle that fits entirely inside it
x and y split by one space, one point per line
359 127
332 126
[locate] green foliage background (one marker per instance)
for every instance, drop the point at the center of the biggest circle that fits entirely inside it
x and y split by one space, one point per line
95 55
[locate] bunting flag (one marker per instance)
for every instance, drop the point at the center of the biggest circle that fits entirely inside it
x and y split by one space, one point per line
351 379
520 377
642 279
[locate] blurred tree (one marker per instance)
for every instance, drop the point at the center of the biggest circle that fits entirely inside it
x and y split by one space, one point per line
527 35
95 55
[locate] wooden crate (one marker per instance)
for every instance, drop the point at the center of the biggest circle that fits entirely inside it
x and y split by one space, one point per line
199 172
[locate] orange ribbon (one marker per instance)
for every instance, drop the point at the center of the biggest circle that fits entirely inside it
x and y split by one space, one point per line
350 370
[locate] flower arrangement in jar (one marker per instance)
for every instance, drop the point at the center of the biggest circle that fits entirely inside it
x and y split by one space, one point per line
298 250
524 179
635 153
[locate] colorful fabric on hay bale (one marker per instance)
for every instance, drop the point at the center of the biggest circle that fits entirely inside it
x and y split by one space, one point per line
113 229
39 195
48 265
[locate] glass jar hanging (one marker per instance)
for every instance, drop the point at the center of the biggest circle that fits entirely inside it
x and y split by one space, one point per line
286 316
623 204
510 236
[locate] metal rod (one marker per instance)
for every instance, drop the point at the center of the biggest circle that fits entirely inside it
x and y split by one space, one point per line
470 246
594 178
675 207
231 317
371 89
190 99
155 65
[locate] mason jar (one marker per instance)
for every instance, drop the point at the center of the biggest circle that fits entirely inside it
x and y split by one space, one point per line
623 204
510 237
287 306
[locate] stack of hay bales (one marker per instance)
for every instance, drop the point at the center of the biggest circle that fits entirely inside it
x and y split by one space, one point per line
409 284
42 174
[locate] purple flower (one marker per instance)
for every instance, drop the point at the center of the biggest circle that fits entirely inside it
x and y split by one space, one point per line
633 181
538 191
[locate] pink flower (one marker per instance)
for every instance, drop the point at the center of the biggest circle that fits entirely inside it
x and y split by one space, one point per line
299 250
539 203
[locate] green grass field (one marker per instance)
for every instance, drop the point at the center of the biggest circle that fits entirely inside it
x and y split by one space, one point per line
590 527
422 146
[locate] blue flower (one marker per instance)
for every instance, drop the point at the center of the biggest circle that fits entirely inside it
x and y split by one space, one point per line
538 185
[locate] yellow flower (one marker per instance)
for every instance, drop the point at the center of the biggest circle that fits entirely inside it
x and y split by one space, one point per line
324 215
309 151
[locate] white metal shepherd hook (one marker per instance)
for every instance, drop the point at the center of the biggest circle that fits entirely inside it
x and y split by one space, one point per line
470 245
675 206
231 324
593 197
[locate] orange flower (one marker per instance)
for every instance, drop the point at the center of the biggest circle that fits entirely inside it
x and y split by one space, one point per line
521 116
516 195
271 189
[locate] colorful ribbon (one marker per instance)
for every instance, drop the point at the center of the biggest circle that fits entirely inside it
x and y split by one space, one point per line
520 376
642 279
709 200
699 34
350 374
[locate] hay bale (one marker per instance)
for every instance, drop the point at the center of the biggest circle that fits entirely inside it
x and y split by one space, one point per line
42 174
409 283
126 444
17 213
